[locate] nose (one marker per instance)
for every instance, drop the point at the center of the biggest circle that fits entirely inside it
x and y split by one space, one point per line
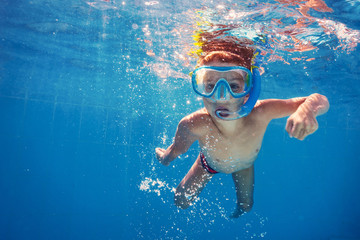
221 93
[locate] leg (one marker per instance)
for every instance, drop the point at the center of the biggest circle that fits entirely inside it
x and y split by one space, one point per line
244 186
191 185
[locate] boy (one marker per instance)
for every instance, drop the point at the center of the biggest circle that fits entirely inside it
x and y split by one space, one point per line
229 139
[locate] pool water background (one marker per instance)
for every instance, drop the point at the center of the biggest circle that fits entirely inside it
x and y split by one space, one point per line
84 100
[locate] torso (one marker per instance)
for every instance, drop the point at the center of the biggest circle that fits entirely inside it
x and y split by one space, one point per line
232 151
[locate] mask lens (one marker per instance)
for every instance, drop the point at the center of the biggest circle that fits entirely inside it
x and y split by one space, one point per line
206 79
209 87
236 80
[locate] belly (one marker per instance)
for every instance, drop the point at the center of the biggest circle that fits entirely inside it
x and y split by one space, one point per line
229 164
230 155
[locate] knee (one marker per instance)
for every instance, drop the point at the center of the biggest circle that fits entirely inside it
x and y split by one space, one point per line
181 202
246 207
241 209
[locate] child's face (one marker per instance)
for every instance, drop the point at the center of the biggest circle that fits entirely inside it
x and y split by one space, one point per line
232 104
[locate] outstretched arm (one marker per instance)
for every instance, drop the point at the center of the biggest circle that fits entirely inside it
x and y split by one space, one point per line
184 138
303 112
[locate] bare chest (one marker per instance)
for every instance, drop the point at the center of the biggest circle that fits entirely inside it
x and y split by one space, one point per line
229 154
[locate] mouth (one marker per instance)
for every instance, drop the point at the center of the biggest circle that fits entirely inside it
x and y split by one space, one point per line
222 112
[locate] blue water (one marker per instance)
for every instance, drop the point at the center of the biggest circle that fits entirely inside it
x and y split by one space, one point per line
88 89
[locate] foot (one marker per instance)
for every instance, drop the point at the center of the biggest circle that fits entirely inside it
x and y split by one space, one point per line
237 213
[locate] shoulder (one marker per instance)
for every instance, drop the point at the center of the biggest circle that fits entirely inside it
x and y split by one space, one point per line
195 122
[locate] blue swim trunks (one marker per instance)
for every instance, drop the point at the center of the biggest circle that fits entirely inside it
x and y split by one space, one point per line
206 165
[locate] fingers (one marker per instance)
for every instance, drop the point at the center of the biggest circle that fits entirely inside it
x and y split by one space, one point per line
293 128
302 134
301 129
289 126
297 130
159 152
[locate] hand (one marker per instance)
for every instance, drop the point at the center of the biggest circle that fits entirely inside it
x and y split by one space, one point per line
160 156
301 123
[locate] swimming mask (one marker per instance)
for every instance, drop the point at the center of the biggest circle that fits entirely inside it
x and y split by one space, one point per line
222 83
218 83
